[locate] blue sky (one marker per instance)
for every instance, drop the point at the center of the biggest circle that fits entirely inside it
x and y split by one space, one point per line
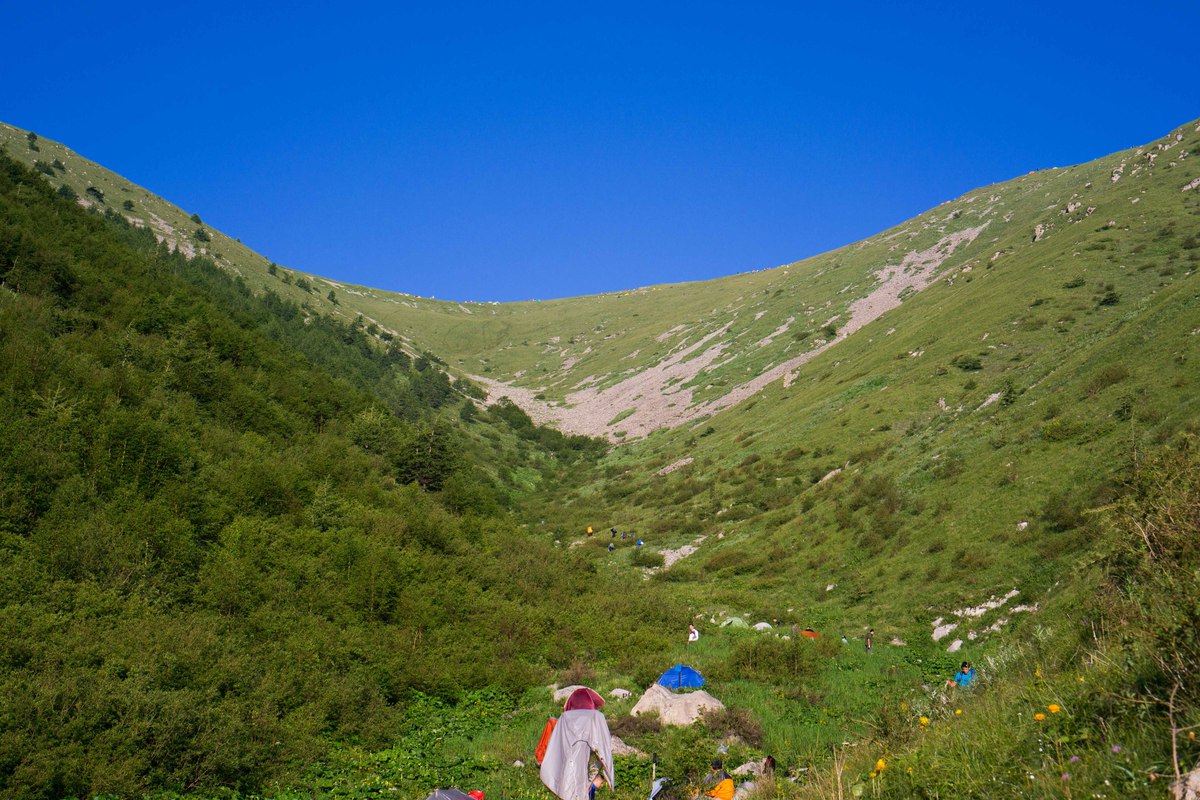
514 151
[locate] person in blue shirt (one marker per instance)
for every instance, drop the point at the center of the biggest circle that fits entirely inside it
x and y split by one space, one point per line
965 677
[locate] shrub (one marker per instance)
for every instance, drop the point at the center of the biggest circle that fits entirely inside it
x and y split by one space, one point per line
1062 512
1105 377
577 673
628 727
646 558
739 722
966 362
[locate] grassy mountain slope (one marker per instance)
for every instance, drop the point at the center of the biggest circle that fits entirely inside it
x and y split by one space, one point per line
898 434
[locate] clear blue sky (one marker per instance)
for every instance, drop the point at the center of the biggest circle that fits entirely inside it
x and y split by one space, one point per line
506 151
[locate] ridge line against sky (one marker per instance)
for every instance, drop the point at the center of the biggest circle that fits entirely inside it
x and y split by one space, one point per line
486 153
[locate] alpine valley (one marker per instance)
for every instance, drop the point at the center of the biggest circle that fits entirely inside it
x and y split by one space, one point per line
264 533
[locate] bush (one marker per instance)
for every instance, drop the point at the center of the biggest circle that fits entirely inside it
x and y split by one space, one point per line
1105 377
578 673
966 362
739 722
628 726
646 558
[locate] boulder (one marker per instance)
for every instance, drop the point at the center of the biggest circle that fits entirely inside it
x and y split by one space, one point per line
675 709
620 694
619 748
561 695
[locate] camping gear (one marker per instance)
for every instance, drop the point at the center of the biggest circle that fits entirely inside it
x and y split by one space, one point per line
681 677
476 794
539 752
448 794
584 698
578 734
736 622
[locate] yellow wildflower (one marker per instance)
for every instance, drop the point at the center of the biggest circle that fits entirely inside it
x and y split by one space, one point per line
1039 716
924 721
958 712
879 765
1054 708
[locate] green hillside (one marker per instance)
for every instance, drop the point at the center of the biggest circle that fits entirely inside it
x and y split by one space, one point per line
974 433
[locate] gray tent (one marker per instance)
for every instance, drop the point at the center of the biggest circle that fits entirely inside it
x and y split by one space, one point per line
736 622
579 734
449 794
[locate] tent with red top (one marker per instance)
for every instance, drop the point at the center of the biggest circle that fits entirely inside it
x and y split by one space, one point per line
584 698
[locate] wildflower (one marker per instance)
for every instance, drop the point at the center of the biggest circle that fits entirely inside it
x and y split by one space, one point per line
1116 748
1039 716
1074 759
958 712
924 721
909 770
1054 708
879 765
873 774
1066 776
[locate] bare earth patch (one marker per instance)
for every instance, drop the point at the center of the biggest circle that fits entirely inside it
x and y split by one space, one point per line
659 394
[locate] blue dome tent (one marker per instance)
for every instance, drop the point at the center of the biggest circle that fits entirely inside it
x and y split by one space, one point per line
681 677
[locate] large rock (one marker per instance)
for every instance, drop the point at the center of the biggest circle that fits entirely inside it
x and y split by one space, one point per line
1187 787
620 694
675 709
619 748
561 695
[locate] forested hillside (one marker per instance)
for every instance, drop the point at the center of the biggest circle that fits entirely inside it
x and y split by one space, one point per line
218 551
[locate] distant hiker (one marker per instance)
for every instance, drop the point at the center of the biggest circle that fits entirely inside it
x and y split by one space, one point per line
809 633
614 532
611 547
721 782
844 639
964 678
870 639
693 634
589 530
623 535
639 542
768 766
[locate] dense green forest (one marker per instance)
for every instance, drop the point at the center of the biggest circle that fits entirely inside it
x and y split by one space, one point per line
219 551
